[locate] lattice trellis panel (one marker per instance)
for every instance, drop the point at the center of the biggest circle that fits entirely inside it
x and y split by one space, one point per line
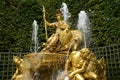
110 53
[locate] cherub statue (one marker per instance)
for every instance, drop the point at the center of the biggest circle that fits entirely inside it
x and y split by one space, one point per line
18 74
83 65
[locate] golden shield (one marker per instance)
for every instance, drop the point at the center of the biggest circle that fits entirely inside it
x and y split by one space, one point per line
65 37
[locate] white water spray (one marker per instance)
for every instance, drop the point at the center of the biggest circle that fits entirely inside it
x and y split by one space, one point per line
84 26
62 75
65 12
34 47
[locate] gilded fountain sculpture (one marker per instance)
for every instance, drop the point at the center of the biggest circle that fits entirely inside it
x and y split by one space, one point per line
64 50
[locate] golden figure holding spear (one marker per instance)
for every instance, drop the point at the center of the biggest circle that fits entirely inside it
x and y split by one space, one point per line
62 35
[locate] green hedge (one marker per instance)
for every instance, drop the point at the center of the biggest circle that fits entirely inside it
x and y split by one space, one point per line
16 18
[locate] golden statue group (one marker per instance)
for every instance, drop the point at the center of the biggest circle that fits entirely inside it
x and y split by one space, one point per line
62 50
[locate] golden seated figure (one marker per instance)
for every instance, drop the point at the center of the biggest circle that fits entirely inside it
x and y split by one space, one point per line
63 36
18 74
83 65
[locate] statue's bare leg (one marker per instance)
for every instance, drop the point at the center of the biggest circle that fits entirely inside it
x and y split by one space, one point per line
91 75
19 77
52 43
79 77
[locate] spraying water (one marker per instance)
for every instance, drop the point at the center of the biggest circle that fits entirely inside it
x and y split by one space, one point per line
65 12
84 26
62 75
34 47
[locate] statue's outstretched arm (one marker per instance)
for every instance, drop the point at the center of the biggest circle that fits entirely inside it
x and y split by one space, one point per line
51 24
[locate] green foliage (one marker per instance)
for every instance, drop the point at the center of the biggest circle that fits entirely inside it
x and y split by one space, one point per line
16 24
16 18
104 16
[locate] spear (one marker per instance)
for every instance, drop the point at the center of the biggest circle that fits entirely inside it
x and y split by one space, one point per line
45 23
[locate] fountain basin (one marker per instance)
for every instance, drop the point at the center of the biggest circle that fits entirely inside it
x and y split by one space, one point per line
44 63
45 60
